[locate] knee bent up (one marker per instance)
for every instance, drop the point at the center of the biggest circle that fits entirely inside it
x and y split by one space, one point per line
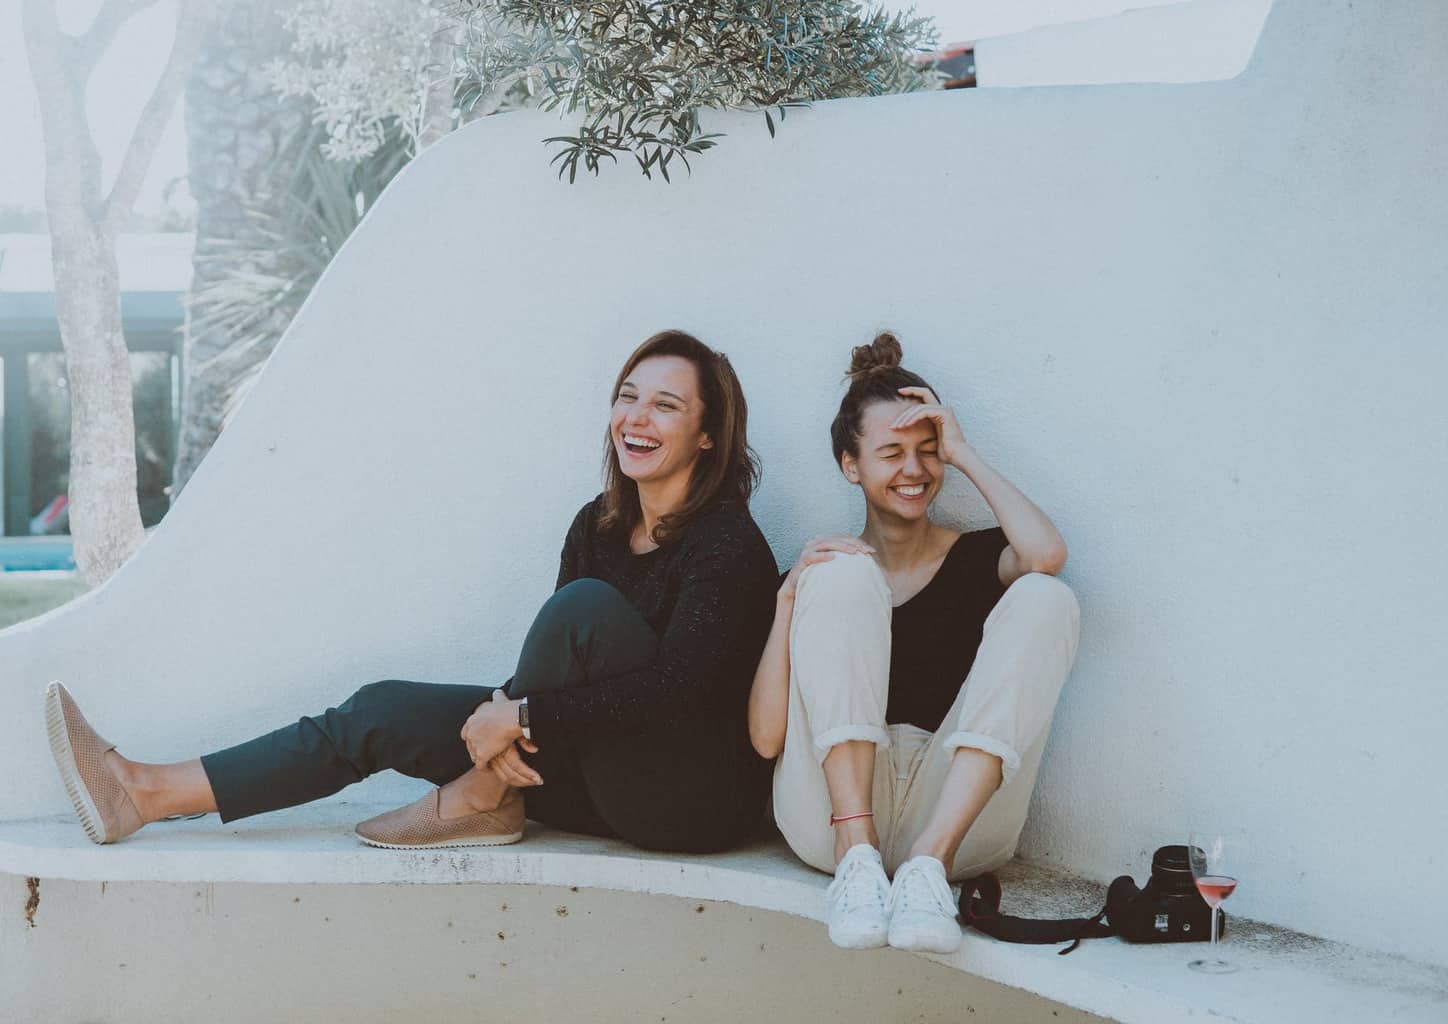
381 696
844 578
1041 590
579 601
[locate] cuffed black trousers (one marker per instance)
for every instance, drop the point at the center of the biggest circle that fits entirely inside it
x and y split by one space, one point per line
698 788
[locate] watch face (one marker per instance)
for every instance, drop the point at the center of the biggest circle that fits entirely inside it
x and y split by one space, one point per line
523 712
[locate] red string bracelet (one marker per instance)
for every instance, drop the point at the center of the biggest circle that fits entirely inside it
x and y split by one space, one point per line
846 817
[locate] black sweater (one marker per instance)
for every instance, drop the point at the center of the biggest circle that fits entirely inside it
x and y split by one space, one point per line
709 595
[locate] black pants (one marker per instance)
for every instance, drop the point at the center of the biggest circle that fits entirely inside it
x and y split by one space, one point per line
698 788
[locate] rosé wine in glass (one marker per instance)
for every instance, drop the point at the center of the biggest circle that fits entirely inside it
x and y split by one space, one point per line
1213 856
1215 889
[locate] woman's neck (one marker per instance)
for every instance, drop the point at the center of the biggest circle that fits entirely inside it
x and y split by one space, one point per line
899 545
657 500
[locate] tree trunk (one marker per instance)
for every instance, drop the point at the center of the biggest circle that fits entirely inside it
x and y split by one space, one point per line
242 144
105 515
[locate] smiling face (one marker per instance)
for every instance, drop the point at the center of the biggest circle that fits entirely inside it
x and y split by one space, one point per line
899 471
657 421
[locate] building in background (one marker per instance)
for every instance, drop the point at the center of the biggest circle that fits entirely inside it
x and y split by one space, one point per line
155 271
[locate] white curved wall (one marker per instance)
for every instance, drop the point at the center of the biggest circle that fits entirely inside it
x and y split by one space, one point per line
960 20
175 954
1201 325
1198 41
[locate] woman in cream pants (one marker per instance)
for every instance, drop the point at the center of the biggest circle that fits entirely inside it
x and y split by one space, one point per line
910 679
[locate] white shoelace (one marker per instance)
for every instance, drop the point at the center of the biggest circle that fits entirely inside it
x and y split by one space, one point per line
917 890
856 885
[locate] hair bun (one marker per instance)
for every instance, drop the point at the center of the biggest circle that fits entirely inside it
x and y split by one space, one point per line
879 356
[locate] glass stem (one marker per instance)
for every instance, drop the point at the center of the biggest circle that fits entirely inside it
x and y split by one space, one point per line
1214 929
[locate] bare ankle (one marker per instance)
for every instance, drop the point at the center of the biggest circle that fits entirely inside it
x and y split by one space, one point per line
477 791
925 847
132 777
854 832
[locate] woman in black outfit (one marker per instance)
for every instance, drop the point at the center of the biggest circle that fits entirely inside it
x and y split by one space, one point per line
627 714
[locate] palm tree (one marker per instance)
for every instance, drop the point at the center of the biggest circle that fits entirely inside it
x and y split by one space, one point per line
243 141
255 283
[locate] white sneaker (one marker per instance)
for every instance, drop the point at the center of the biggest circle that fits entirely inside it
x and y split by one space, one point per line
858 919
922 908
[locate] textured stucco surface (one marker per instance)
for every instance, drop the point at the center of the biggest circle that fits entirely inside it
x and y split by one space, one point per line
1201 325
296 855
1198 41
160 953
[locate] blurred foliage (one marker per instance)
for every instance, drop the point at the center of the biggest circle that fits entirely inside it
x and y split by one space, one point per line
257 288
369 66
639 71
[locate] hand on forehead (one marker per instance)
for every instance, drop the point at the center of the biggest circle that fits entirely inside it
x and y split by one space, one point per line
877 429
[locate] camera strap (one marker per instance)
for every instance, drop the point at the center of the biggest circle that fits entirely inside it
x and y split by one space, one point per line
980 903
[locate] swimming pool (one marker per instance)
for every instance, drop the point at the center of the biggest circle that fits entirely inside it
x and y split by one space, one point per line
28 554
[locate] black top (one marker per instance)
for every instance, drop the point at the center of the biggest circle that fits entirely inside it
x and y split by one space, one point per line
935 634
709 595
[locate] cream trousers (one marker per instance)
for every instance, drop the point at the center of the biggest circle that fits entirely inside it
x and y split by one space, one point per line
839 680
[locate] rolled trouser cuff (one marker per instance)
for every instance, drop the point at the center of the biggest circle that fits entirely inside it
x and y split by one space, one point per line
827 740
1010 759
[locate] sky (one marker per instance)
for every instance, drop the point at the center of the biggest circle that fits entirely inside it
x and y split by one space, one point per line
119 88
123 81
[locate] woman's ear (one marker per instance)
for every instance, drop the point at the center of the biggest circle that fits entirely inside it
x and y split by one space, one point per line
707 443
849 467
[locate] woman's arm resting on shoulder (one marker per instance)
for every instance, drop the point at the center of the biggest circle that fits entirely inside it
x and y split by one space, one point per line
769 696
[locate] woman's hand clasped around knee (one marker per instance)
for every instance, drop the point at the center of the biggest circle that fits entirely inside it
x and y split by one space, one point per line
512 769
509 765
820 549
491 730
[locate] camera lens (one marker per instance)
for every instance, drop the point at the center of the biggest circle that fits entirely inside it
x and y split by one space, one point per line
1171 870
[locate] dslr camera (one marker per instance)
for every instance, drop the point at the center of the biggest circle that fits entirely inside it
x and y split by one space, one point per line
1167 909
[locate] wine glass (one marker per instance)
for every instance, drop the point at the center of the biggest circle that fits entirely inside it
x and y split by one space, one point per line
1214 857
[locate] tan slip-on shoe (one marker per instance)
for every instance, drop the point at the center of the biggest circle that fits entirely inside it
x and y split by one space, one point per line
100 801
420 826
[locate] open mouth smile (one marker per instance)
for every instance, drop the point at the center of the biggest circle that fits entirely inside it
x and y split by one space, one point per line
636 444
910 492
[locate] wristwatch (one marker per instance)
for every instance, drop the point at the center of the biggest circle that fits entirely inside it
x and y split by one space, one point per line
523 719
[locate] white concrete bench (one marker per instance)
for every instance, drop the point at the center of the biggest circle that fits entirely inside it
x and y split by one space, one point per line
1285 976
1205 329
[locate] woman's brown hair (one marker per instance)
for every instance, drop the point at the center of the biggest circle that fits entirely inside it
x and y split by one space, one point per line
727 471
875 376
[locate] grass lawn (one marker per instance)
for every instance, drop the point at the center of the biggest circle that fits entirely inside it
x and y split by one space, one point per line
24 596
